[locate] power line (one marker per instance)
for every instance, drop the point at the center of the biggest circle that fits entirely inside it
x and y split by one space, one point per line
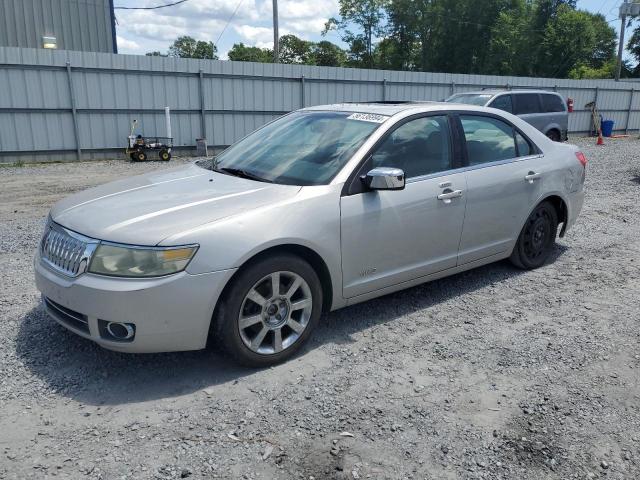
151 8
228 21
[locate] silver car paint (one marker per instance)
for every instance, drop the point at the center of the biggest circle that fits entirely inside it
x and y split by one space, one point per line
371 243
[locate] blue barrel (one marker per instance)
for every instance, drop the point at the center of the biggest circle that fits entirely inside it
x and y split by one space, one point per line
607 127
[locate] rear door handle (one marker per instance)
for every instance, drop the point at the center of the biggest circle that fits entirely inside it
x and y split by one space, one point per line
446 196
532 177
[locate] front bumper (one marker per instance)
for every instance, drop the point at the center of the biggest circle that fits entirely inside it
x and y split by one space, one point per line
170 313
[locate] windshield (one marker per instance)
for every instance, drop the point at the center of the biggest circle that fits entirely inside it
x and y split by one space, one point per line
302 148
479 99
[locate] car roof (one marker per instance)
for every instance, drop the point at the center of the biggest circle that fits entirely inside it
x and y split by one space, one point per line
392 108
496 91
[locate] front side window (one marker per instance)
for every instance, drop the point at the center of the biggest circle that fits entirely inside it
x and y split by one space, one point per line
552 103
488 139
418 147
527 103
303 148
503 102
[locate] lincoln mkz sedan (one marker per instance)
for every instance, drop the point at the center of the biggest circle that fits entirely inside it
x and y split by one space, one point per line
322 208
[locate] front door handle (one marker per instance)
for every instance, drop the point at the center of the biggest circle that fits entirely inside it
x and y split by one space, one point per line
532 177
448 194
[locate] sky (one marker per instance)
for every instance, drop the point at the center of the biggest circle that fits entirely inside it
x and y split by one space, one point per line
226 22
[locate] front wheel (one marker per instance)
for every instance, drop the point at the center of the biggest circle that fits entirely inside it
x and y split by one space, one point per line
140 156
164 155
536 239
269 311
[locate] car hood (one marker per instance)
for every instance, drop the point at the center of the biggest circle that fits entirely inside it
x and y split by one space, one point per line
145 209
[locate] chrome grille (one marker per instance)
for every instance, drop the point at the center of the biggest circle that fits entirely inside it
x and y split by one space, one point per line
66 251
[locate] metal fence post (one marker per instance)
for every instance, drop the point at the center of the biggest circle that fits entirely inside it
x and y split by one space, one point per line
203 120
593 118
384 89
626 127
302 92
452 88
74 112
555 88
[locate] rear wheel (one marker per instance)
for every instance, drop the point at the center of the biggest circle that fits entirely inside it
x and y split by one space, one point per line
269 311
554 135
536 239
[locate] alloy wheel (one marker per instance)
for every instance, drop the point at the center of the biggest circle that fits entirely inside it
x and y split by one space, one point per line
275 312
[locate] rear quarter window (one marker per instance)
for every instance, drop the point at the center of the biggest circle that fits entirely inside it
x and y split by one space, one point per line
552 103
527 103
503 102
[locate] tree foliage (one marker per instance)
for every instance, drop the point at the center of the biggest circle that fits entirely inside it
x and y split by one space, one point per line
293 50
242 53
189 47
506 37
547 38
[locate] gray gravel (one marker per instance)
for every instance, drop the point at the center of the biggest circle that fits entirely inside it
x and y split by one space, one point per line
493 373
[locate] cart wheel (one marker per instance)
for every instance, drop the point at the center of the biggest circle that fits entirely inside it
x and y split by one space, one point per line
140 156
132 156
164 155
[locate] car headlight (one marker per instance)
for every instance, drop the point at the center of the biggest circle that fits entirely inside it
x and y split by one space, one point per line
126 261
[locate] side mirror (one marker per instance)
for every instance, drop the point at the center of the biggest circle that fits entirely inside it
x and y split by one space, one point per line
384 178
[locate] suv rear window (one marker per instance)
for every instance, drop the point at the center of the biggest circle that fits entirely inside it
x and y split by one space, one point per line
552 103
527 103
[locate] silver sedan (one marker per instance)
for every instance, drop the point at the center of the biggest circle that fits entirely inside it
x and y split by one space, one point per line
322 208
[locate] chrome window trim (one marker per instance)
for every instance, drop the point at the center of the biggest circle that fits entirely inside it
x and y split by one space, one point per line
470 168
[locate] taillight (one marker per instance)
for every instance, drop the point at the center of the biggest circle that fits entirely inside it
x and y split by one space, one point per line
582 159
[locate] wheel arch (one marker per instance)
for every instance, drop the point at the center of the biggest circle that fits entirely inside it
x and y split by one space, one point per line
306 253
561 208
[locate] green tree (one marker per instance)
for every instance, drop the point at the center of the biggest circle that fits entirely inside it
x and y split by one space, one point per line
367 16
510 51
574 38
633 45
189 47
242 53
295 50
155 53
327 54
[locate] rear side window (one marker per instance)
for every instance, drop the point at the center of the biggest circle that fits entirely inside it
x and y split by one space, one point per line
503 102
552 103
524 147
488 139
527 103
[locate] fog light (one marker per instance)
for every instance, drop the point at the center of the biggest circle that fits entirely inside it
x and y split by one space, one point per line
117 331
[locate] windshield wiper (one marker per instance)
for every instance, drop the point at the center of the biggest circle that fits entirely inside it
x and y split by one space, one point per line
238 172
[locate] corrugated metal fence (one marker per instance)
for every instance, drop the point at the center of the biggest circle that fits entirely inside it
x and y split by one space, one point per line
61 105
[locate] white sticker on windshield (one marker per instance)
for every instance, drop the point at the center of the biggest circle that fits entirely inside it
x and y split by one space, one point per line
367 117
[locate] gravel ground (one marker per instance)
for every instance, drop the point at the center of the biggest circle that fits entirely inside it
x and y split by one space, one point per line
493 373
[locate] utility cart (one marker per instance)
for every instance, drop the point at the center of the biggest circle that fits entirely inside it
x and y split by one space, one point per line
139 145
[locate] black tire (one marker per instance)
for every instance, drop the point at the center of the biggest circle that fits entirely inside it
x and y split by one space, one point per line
140 156
132 156
554 135
536 240
226 332
164 155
